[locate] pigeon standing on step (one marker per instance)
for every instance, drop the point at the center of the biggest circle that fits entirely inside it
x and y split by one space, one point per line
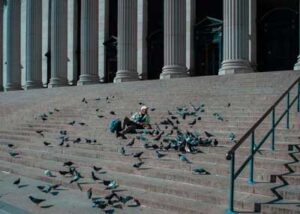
131 142
184 158
37 201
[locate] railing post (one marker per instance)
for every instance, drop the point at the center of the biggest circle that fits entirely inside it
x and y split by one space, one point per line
251 163
230 209
298 105
273 130
288 110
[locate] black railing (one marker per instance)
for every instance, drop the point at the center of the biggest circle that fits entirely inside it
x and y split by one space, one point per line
234 173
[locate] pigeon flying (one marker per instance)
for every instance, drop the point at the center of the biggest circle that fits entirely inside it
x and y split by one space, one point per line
17 182
97 168
95 178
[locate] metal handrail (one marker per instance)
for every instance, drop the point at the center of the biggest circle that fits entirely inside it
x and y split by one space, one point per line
254 148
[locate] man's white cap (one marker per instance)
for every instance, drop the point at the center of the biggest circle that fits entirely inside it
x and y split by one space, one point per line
144 108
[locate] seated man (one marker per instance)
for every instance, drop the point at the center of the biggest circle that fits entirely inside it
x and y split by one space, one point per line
138 120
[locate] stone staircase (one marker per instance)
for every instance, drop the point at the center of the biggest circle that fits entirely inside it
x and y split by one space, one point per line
165 185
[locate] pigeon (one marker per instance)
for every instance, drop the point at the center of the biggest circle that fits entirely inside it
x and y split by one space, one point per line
138 165
157 138
136 203
112 185
95 178
63 172
215 142
46 143
97 99
122 151
14 154
17 182
229 104
10 145
75 178
89 193
193 122
152 109
138 154
68 163
131 142
45 189
208 134
159 155
50 112
99 203
82 124
49 173
88 140
199 118
170 113
72 123
84 101
184 158
63 132
37 201
201 171
97 168
100 116
40 132
125 199
77 140
57 110
231 137
112 113
154 146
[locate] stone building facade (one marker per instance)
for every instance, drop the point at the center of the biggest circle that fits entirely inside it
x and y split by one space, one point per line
51 43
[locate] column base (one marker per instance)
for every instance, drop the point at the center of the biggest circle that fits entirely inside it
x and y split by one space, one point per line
126 76
33 85
173 71
235 67
13 87
88 79
57 82
297 65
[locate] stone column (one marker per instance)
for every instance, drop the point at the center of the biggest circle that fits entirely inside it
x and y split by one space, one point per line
297 65
1 45
59 43
127 41
236 37
103 36
13 45
142 64
253 34
89 42
190 23
34 44
72 41
45 41
174 39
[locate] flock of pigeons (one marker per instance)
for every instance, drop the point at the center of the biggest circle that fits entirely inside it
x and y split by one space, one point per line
167 135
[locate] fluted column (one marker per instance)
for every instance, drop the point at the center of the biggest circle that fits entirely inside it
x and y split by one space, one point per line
174 39
127 41
13 42
142 62
103 36
34 44
236 37
89 42
59 35
190 23
253 34
297 65
1 45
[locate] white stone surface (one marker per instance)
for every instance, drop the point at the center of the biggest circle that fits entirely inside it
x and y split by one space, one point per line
127 41
89 42
236 37
33 40
59 45
142 56
13 45
174 39
190 24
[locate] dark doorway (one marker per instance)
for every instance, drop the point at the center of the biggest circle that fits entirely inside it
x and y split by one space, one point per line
77 64
155 38
277 34
208 37
111 43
